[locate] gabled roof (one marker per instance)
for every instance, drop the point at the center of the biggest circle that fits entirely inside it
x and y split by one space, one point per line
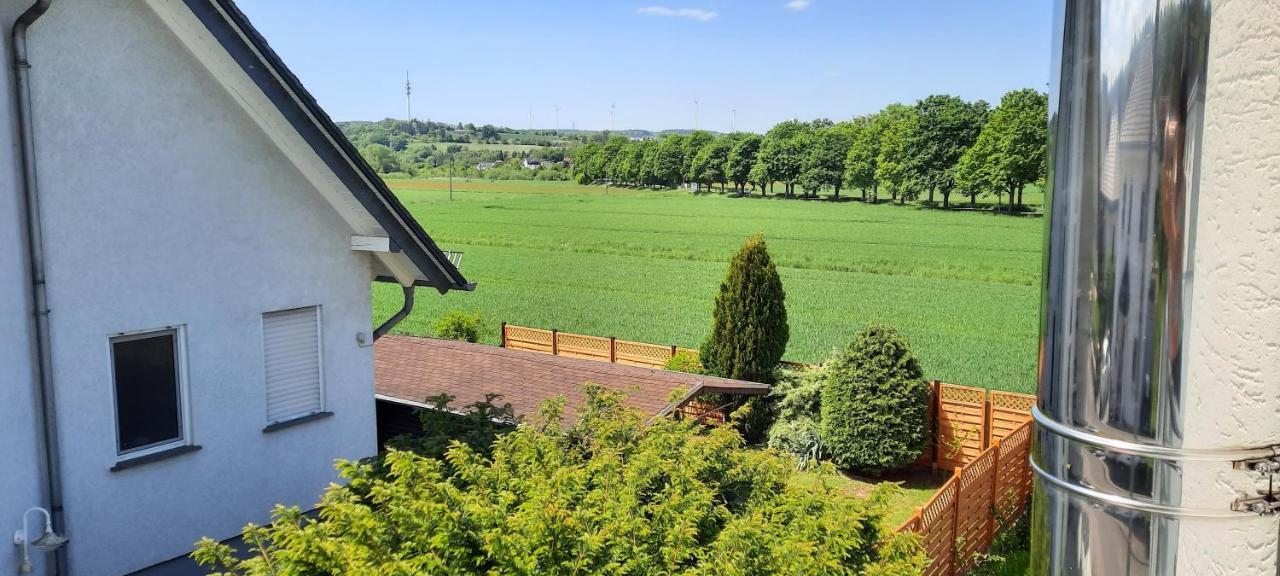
242 42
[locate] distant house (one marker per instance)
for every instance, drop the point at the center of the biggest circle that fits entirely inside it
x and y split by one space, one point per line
485 166
532 163
184 306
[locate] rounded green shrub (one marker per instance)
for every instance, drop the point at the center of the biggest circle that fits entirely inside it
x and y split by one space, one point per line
685 361
460 325
749 329
874 403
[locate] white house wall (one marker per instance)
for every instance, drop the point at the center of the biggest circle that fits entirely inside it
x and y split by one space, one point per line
165 204
19 480
1234 346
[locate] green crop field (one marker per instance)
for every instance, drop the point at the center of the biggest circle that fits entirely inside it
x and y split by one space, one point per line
641 265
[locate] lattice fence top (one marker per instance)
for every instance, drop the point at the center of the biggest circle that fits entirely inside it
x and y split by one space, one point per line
1012 401
1016 440
584 342
965 394
977 470
942 502
529 335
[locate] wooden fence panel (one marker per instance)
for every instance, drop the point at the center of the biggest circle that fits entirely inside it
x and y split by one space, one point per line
580 346
938 530
1013 477
642 354
963 517
1007 412
973 508
961 424
532 339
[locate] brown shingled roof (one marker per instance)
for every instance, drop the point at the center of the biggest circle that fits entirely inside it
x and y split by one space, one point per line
409 370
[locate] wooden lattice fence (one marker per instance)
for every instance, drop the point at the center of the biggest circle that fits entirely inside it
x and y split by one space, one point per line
604 349
963 517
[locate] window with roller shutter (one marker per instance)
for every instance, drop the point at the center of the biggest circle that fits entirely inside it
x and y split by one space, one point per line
292 361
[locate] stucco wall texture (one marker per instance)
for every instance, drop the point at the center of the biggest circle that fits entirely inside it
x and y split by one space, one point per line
165 204
19 477
1234 333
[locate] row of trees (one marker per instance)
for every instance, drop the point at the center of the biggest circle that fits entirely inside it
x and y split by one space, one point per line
938 146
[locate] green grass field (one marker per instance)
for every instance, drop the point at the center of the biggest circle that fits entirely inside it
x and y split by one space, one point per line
641 265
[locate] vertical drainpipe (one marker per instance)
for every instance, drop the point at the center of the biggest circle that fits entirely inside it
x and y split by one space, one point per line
1117 475
48 438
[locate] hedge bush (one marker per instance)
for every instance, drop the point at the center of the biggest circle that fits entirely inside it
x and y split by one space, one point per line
875 403
685 361
607 495
460 325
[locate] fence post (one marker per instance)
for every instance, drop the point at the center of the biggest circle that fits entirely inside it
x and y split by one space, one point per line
503 336
555 342
955 521
613 349
986 419
673 351
936 401
995 495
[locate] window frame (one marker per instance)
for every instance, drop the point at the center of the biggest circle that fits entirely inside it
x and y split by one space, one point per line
178 332
321 410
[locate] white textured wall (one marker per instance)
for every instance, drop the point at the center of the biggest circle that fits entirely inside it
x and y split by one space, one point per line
1234 335
19 477
167 205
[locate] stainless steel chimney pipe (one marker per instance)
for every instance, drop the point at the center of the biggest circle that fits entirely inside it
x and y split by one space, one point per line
1126 115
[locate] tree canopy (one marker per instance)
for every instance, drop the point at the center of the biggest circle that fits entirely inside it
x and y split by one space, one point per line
1010 150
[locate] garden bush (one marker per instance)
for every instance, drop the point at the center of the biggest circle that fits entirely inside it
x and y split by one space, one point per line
606 495
797 399
460 325
749 329
874 403
685 361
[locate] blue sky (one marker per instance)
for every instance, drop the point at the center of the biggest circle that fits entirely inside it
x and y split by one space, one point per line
490 61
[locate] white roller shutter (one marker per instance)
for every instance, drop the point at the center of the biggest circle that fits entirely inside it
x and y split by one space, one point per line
291 349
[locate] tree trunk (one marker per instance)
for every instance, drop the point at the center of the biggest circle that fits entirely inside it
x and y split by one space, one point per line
1020 196
946 198
875 192
931 194
837 196
771 187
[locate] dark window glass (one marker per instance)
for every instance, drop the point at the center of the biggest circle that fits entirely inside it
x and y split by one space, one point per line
147 405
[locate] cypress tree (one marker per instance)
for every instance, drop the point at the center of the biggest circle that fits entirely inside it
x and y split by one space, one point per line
749 329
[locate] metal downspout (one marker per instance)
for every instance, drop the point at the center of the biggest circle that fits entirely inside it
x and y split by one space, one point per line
48 440
391 322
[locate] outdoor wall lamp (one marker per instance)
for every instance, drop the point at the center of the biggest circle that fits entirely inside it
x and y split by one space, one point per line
49 541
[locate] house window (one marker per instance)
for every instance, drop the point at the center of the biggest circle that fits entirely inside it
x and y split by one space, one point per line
147 372
292 363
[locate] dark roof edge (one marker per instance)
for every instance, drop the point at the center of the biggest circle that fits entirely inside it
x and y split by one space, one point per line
232 29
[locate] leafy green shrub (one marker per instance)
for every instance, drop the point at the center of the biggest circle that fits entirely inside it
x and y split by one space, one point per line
477 425
460 325
749 329
607 495
795 430
874 403
685 361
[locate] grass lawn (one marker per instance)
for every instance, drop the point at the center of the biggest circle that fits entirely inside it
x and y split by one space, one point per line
915 488
643 265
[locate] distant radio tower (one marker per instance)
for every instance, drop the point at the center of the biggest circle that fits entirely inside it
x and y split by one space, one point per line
408 98
611 109
557 119
696 106
531 118
733 120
